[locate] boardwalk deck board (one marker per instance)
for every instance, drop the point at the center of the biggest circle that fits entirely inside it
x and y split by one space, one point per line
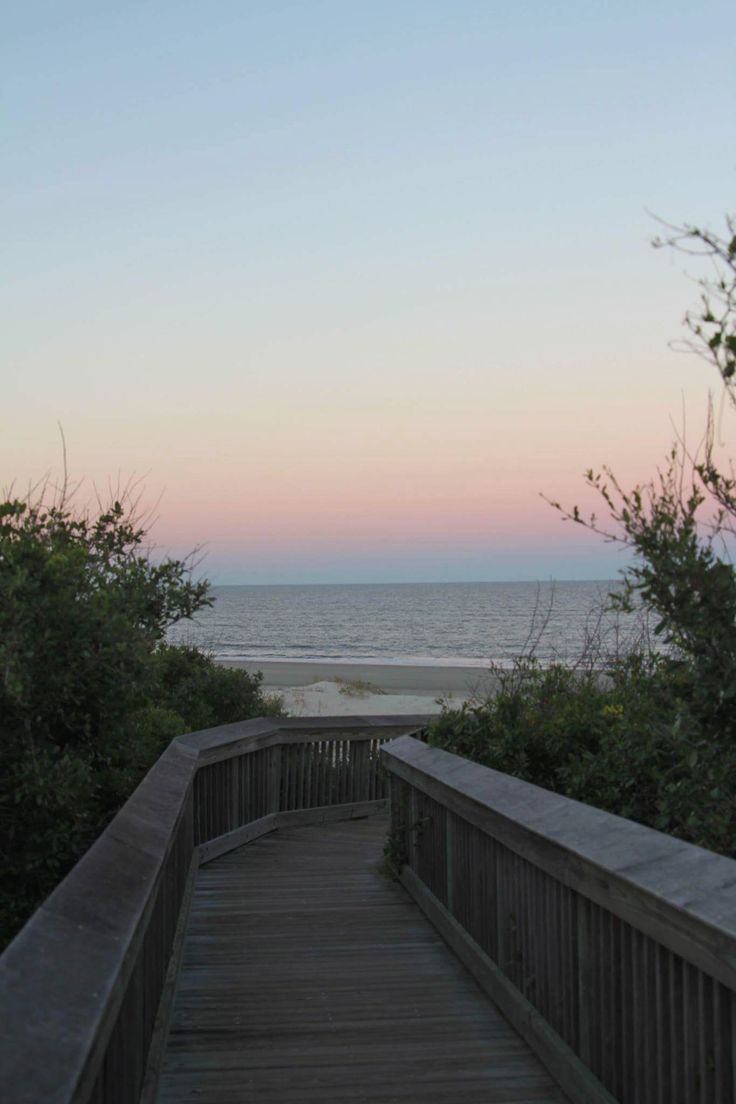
308 976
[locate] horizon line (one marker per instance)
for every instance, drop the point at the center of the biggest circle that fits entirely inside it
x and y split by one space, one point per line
424 582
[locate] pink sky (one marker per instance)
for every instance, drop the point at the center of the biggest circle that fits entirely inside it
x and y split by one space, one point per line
349 290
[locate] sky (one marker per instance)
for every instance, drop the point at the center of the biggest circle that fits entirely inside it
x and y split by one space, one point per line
347 287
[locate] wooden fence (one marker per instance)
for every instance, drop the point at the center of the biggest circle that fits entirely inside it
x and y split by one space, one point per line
86 986
611 947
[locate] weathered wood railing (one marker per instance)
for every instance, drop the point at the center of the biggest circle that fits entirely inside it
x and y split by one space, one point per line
85 986
611 947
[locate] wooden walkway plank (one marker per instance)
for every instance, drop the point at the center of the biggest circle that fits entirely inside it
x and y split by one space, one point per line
308 976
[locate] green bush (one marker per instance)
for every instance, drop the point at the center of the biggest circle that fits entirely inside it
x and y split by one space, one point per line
191 692
628 742
193 685
82 608
90 694
48 816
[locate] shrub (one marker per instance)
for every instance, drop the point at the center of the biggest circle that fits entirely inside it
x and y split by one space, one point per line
629 742
48 817
193 685
90 694
189 692
82 608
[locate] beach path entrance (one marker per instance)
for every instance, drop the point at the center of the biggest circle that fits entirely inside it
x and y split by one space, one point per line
309 975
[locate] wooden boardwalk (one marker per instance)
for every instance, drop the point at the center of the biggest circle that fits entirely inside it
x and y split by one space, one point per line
308 976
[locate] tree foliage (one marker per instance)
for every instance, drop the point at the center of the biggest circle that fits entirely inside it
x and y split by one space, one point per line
82 606
629 743
90 693
712 325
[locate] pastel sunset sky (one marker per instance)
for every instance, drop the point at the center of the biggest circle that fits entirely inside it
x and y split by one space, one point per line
348 285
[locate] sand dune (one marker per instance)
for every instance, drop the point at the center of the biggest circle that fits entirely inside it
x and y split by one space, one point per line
331 689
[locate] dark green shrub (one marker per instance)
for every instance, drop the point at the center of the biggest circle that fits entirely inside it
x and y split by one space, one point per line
89 693
82 608
630 742
190 683
48 818
189 692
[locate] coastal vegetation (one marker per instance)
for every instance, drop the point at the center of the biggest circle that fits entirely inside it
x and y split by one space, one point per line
655 738
90 692
357 687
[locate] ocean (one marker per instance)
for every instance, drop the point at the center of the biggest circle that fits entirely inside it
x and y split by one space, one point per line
467 624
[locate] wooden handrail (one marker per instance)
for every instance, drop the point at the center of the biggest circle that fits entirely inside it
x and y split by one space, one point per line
612 947
85 985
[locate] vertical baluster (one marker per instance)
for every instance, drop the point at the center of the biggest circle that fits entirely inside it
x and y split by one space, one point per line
450 860
301 760
501 911
637 1082
585 978
371 770
664 1094
274 778
309 782
722 1059
544 951
322 766
690 1072
621 1003
559 965
362 765
524 929
234 769
676 1048
342 775
292 775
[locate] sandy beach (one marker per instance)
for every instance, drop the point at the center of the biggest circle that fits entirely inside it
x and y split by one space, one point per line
328 688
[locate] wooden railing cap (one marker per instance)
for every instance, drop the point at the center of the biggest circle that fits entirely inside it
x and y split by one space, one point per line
224 734
367 720
59 974
634 870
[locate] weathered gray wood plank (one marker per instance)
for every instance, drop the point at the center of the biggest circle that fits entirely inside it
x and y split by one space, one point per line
308 976
680 895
